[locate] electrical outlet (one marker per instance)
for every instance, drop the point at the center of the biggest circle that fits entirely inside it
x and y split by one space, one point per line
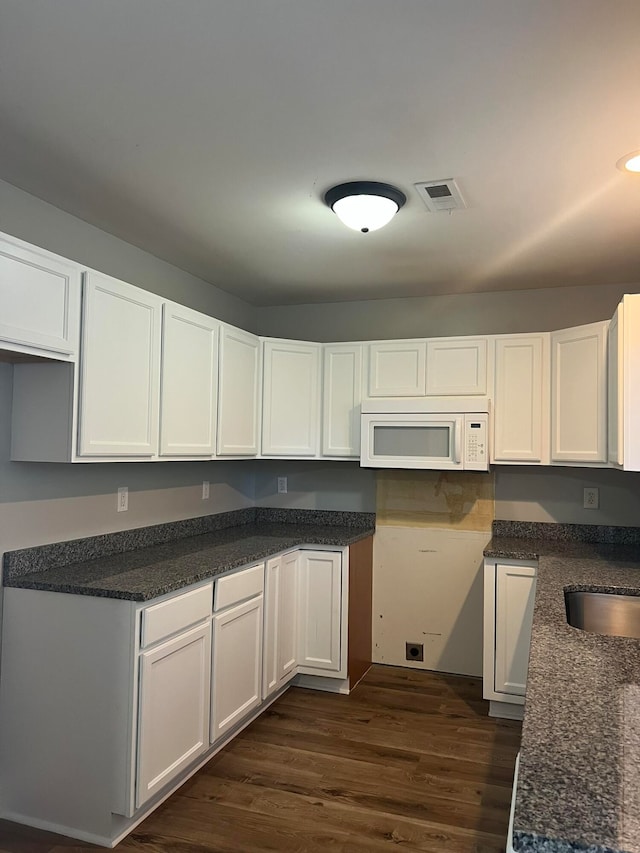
282 485
591 497
205 490
123 499
414 651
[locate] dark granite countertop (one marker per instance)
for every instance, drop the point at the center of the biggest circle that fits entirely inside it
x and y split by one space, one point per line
146 573
579 778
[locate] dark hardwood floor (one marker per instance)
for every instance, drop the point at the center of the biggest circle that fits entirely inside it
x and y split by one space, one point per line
409 759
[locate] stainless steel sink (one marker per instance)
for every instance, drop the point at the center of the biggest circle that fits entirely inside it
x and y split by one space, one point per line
604 613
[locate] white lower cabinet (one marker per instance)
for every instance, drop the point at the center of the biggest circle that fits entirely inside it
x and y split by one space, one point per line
320 613
125 700
280 622
173 713
236 685
509 593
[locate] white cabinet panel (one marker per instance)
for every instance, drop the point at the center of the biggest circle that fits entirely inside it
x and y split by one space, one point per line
237 665
342 387
280 641
174 708
189 382
579 394
291 396
615 388
456 366
515 592
119 389
624 384
39 300
521 419
319 611
397 369
239 394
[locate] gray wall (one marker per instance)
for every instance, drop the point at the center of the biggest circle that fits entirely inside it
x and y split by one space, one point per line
51 502
37 222
464 314
555 494
316 485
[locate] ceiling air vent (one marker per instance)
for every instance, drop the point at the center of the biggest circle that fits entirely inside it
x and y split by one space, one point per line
441 195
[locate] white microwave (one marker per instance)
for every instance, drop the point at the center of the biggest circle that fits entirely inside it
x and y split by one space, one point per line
438 440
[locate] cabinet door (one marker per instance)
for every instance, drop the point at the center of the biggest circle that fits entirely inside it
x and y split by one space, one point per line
456 366
287 657
270 651
319 611
120 369
280 621
579 394
515 592
342 386
189 382
237 665
173 713
397 369
239 394
40 299
521 405
290 412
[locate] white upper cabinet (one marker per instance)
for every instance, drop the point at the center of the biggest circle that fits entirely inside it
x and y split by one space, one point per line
521 400
397 369
342 395
239 393
39 301
189 382
624 384
120 375
579 394
456 366
291 398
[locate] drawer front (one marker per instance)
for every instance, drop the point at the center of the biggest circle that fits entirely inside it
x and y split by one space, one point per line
239 586
164 619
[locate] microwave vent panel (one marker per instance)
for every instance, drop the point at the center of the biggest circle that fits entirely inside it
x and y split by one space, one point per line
441 195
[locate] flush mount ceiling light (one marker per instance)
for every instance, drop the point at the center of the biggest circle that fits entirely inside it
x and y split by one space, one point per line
630 162
365 205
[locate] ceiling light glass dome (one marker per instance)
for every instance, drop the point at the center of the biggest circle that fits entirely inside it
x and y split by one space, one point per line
365 205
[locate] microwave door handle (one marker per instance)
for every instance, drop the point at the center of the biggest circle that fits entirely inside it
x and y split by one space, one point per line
457 442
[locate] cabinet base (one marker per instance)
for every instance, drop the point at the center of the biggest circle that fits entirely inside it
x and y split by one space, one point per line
506 710
321 682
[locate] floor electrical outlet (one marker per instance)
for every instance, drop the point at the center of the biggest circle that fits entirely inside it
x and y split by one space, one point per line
591 498
415 651
123 499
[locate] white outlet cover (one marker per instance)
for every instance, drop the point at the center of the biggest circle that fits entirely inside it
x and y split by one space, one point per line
591 497
205 490
123 499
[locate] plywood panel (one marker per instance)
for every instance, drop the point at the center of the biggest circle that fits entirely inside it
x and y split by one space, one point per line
459 500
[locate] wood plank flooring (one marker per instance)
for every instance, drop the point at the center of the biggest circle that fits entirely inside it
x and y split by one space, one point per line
409 759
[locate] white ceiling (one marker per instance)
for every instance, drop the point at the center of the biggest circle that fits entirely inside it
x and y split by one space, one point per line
207 131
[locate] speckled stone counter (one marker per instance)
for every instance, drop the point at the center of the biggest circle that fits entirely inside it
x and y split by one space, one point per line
147 572
579 778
